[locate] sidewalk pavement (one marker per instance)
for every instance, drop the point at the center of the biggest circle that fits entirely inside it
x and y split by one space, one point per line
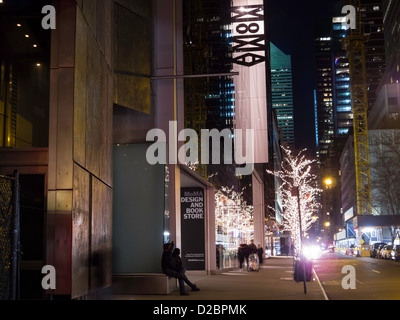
274 281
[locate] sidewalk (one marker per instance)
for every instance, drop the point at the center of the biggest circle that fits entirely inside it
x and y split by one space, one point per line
274 281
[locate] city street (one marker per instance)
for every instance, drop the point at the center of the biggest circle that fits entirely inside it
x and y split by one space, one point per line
375 279
145 141
274 281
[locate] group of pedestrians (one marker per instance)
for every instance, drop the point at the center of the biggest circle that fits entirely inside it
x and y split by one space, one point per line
245 250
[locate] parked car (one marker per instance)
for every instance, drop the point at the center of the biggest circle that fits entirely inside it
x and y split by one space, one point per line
379 251
375 249
396 253
386 252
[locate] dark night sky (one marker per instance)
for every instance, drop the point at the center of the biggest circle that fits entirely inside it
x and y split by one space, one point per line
291 24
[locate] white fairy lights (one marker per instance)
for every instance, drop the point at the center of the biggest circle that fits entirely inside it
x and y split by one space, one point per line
296 175
234 218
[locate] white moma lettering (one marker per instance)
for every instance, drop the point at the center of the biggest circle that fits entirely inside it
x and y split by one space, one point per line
248 35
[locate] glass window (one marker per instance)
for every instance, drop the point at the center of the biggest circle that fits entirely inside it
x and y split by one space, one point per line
392 100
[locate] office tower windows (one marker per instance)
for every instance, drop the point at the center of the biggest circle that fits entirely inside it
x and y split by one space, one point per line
391 20
372 21
324 86
209 101
282 93
341 80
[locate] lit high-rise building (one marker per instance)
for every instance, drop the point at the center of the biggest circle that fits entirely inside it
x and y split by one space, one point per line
324 86
209 101
282 92
343 117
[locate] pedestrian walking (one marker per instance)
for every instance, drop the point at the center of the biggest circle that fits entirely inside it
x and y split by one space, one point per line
243 253
260 253
252 247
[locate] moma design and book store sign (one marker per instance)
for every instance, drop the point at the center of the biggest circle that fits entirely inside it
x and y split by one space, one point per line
192 228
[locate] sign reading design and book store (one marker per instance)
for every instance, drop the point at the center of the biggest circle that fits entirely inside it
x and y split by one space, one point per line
192 228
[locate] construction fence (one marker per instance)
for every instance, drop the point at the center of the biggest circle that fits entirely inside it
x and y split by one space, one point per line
9 237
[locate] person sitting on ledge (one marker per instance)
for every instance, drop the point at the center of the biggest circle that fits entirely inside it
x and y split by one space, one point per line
172 267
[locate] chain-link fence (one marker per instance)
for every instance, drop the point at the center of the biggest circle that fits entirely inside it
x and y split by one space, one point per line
9 236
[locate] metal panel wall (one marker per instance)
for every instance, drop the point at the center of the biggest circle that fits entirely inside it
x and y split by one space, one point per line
80 147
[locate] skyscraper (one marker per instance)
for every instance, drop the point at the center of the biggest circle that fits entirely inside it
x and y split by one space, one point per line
324 86
209 101
334 116
385 113
391 20
282 92
372 21
343 117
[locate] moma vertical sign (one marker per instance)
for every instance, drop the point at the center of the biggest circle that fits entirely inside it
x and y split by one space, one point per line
249 57
192 228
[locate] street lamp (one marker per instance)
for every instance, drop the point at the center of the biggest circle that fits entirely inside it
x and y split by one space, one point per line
329 183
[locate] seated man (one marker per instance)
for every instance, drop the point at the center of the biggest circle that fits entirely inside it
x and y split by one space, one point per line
172 267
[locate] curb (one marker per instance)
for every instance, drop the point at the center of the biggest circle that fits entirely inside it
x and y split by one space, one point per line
320 285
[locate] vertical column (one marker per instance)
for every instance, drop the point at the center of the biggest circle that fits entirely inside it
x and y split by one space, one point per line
258 204
168 61
210 232
60 170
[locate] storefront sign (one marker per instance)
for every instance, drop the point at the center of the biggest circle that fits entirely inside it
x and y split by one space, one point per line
340 235
349 214
192 228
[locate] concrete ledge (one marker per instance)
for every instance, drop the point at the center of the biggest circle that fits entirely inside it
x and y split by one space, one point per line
144 283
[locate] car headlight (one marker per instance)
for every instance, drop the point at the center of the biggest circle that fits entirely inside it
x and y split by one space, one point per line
312 252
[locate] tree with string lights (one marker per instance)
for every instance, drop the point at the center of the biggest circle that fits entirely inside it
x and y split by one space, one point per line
234 216
299 194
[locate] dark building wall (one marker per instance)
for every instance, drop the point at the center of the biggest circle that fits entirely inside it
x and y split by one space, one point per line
80 147
134 112
134 109
391 21
372 21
